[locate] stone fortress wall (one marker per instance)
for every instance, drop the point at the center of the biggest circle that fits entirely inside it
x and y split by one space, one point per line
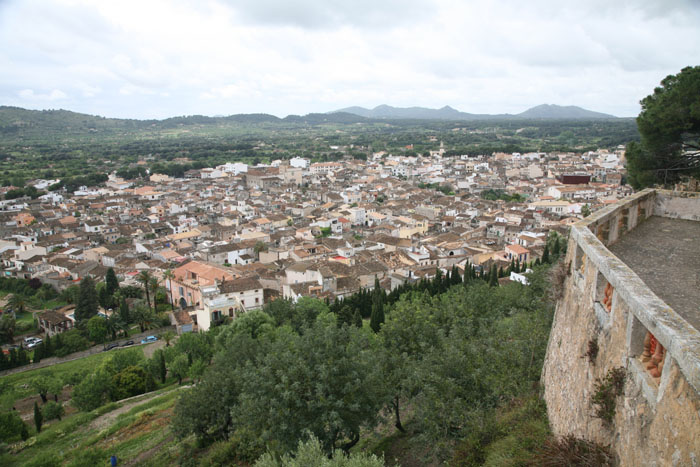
657 419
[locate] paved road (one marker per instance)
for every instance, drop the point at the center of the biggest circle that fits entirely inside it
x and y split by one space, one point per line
91 351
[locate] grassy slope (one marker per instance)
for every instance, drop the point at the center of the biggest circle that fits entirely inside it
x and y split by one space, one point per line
139 435
135 430
16 386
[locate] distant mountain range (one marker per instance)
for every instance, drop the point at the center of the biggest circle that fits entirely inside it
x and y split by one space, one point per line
16 122
544 111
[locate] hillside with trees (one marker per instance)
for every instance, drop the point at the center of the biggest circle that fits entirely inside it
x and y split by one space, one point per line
443 370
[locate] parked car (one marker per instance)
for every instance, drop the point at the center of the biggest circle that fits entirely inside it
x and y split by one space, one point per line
32 342
148 339
124 344
111 346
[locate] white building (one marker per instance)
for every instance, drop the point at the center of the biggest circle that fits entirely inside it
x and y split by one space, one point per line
211 173
299 162
234 168
228 299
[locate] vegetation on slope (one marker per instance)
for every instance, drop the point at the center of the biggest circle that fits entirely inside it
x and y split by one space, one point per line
449 375
446 363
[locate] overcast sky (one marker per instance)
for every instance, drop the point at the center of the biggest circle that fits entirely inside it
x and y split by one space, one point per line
162 58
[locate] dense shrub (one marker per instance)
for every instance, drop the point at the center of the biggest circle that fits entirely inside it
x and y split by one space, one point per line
12 428
131 381
72 341
572 451
53 410
93 391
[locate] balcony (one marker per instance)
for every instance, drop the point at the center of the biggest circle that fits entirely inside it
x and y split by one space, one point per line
640 261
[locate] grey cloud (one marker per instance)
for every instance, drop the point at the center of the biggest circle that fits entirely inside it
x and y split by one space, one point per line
323 14
178 57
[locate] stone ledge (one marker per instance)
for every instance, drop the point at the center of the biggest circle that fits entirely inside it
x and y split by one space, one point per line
606 214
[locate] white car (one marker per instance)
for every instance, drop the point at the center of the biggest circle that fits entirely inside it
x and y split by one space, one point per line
32 342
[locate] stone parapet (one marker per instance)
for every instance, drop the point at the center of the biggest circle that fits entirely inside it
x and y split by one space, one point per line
657 421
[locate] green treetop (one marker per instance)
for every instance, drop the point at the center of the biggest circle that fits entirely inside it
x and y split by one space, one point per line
669 124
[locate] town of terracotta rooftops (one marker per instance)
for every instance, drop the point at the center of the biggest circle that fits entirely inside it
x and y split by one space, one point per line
295 228
349 234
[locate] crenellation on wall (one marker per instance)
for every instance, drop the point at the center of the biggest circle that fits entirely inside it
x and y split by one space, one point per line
657 421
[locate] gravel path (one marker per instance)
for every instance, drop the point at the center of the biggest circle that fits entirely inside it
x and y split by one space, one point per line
103 421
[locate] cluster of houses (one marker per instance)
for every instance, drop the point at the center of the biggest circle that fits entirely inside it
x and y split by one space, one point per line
237 236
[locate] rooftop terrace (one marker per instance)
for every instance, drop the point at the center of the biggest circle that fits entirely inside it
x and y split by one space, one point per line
665 254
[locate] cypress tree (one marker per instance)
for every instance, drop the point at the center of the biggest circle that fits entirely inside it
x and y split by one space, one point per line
345 315
22 357
493 276
467 274
111 282
456 278
124 311
518 267
161 366
57 343
556 247
501 272
545 255
38 353
357 319
104 298
48 347
437 282
86 307
38 417
377 316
